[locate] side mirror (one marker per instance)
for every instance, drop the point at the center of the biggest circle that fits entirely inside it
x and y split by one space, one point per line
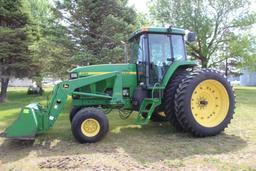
191 37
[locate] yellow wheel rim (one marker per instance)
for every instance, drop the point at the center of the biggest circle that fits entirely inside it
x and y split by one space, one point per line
210 103
90 127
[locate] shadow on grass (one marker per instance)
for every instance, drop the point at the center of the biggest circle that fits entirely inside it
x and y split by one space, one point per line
151 143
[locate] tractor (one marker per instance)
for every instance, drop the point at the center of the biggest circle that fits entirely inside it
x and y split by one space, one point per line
158 79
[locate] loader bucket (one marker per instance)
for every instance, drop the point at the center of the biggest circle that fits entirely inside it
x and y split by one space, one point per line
29 123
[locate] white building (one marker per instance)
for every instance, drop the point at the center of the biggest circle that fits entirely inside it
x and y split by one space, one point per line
25 82
248 78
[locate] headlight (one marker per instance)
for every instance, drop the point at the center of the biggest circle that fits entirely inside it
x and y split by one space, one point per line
73 75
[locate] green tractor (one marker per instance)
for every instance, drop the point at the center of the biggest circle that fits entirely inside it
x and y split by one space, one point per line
158 79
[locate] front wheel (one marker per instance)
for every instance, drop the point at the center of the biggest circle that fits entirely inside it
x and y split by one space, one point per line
73 112
204 103
89 125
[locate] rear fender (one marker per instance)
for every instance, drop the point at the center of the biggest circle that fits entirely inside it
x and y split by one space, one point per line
173 67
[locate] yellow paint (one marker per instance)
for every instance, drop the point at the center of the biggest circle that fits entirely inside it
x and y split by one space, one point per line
130 73
93 73
99 73
90 127
210 103
162 114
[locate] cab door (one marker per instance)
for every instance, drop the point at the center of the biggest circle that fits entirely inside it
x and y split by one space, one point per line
164 49
143 61
160 54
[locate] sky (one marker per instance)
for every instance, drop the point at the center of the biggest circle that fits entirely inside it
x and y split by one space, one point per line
140 5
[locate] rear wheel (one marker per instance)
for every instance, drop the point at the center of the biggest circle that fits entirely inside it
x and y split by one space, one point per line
89 125
204 103
169 98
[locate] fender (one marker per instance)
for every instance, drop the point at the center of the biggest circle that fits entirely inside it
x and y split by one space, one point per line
173 67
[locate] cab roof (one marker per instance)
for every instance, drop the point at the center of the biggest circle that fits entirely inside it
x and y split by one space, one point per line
159 30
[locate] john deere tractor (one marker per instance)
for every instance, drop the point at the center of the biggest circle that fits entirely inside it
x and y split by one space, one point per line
158 79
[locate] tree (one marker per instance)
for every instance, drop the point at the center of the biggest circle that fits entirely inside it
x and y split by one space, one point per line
212 20
14 41
51 46
97 27
243 49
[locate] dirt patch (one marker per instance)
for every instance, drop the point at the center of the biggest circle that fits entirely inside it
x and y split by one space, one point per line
99 161
62 163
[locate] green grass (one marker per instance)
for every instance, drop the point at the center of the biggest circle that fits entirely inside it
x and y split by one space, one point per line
127 146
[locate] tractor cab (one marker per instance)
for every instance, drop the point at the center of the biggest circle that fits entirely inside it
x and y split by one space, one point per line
154 50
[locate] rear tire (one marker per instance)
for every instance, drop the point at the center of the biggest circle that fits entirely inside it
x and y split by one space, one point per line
89 125
169 98
204 103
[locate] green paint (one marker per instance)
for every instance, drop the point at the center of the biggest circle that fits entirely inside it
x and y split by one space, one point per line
173 68
28 124
92 95
153 103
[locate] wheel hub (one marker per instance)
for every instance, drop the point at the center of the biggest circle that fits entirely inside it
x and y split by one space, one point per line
202 102
90 127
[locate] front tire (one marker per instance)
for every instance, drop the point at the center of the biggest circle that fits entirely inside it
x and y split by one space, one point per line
89 125
204 103
73 112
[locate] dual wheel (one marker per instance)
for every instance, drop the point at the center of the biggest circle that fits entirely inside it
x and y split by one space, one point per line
200 102
88 125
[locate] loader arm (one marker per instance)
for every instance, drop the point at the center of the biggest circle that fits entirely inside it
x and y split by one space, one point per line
35 119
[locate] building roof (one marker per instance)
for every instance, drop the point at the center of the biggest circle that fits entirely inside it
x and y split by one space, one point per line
160 30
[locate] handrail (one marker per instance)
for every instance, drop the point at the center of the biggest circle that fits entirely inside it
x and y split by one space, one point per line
154 88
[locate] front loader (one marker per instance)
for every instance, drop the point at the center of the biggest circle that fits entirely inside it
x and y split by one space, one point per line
158 79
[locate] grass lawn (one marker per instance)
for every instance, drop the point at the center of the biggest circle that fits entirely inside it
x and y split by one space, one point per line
127 146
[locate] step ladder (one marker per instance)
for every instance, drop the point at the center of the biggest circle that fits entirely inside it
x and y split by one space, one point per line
147 108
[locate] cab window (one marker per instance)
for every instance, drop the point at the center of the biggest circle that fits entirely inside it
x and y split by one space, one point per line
159 49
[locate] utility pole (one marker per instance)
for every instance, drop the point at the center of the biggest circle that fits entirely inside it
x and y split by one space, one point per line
226 60
125 52
226 67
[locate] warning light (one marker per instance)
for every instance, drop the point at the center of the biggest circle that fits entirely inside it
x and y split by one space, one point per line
144 29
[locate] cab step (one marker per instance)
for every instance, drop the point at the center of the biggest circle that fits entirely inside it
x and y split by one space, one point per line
147 108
